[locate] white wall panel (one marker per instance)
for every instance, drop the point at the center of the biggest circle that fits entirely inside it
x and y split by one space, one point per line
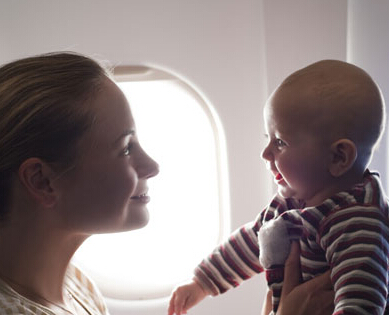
233 52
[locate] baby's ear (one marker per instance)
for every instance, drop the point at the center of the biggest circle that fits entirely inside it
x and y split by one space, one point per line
36 176
343 155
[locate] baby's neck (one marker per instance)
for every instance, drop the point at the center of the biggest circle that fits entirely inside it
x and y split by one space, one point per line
337 185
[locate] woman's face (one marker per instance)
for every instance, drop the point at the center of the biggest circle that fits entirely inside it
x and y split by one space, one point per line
107 190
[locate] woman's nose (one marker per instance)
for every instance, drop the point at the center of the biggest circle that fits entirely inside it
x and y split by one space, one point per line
147 167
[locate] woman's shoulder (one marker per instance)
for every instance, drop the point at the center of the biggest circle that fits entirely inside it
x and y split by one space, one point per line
81 287
11 303
77 283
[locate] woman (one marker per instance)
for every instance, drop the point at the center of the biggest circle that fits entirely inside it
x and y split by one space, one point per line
312 297
70 166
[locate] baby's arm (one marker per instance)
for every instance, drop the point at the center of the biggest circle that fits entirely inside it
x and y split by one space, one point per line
227 266
232 262
356 246
238 259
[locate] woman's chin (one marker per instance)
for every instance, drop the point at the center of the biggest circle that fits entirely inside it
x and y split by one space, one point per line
137 220
134 221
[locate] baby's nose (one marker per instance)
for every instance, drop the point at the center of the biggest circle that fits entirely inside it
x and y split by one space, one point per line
266 154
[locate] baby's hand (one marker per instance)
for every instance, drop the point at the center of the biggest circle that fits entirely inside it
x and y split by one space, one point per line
185 296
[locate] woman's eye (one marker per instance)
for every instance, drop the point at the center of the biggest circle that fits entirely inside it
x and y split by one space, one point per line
127 150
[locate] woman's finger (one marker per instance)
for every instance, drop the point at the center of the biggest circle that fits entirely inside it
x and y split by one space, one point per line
267 303
322 282
292 270
315 296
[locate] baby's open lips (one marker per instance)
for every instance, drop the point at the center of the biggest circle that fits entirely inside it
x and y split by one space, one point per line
278 176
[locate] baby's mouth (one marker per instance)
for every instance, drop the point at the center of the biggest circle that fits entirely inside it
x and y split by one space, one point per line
278 176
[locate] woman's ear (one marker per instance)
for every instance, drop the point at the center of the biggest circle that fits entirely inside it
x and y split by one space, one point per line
36 176
343 156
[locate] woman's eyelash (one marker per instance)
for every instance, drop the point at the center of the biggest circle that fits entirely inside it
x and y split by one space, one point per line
127 149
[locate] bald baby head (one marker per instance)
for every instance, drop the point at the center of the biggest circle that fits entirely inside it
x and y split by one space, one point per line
333 100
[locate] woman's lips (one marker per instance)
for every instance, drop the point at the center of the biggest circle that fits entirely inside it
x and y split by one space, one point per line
142 198
278 177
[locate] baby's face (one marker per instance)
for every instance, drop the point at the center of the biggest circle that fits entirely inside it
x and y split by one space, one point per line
297 155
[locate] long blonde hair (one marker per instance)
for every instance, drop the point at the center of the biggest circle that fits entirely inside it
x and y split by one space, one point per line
43 110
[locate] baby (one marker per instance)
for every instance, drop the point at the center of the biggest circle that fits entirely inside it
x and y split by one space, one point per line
322 124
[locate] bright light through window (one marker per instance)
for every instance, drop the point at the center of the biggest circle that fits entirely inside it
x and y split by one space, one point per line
185 206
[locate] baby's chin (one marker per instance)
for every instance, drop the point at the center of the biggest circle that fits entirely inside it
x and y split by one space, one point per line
286 192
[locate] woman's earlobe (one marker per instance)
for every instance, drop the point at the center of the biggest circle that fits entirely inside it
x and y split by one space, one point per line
35 175
343 156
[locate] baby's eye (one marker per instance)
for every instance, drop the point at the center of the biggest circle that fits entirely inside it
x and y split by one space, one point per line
280 143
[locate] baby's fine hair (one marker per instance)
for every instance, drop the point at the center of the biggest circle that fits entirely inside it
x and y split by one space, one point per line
354 100
43 111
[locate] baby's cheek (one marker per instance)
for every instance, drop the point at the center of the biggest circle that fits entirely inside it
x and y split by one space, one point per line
292 171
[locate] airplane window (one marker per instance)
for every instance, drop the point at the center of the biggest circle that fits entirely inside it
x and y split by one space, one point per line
187 209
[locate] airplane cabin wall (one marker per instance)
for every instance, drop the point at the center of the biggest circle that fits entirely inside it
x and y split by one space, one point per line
233 52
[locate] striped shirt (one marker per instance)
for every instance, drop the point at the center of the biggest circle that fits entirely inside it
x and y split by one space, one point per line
77 284
348 233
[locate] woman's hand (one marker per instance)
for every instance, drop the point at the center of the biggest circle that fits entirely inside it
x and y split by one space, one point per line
312 297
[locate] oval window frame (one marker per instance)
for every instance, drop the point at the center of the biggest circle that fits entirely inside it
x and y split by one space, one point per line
144 73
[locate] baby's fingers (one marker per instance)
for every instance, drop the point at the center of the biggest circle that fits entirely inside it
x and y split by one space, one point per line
174 306
186 296
171 308
177 304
